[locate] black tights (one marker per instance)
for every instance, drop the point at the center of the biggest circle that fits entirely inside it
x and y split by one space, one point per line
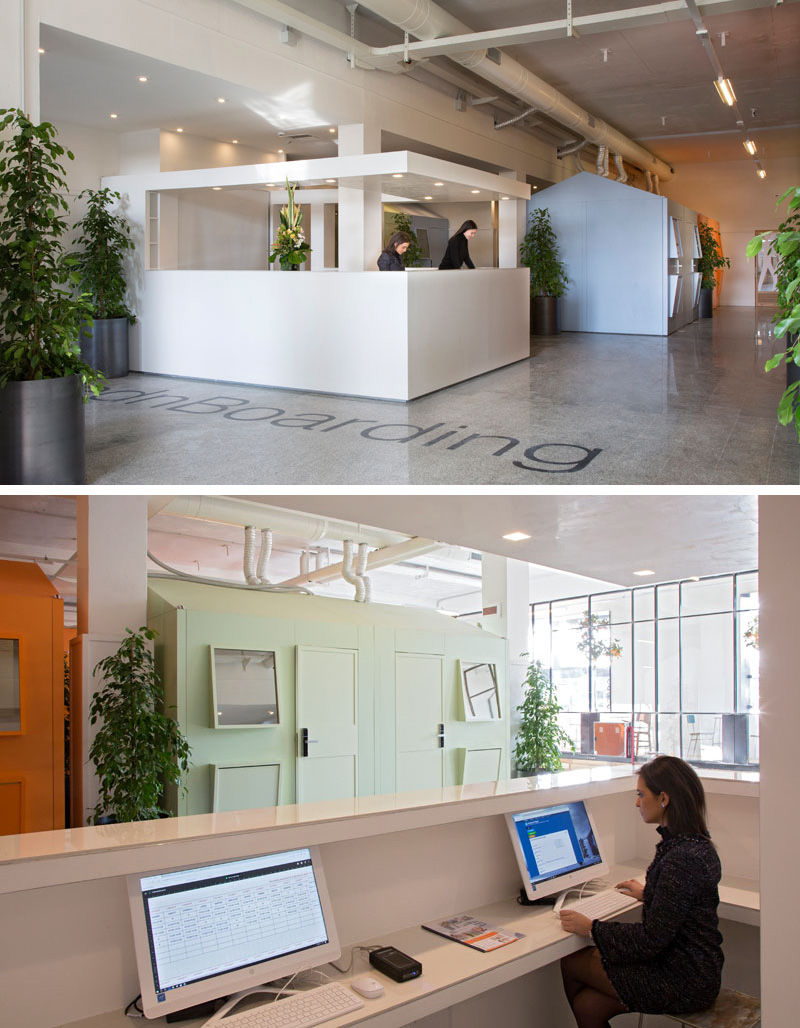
589 992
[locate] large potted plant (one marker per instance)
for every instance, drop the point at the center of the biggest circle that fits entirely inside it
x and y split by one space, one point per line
138 749
785 246
412 258
104 237
540 738
539 252
42 373
290 248
709 261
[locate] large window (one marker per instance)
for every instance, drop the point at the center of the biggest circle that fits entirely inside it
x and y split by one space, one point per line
671 668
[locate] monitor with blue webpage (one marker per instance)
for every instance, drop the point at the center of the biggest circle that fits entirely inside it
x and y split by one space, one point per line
212 930
556 848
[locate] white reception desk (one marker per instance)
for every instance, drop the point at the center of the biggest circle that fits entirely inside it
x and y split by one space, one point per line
393 336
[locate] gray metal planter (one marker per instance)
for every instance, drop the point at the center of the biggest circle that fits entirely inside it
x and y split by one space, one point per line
42 432
545 319
705 306
105 346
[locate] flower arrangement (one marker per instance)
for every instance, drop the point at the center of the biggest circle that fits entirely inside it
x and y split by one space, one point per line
290 246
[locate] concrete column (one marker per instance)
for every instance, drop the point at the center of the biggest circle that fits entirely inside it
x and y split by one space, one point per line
779 571
112 564
317 240
506 586
360 208
510 225
19 56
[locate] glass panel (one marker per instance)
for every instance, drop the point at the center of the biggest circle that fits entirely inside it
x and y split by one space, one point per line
10 720
479 688
668 665
570 665
571 723
747 652
669 734
707 597
747 591
667 599
752 749
644 667
707 663
644 604
702 737
540 643
613 607
245 691
620 668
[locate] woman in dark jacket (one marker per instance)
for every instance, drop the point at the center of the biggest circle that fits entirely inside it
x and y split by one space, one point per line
457 252
671 963
390 258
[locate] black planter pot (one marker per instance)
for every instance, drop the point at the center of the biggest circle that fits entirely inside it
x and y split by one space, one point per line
705 308
545 316
105 346
42 432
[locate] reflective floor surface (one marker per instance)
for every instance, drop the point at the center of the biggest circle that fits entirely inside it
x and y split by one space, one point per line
696 407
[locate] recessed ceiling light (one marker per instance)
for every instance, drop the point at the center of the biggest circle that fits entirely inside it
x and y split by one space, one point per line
505 197
331 130
42 50
535 187
179 130
234 140
516 537
220 99
215 188
280 151
397 175
330 179
644 571
474 190
113 115
427 198
762 173
143 78
438 183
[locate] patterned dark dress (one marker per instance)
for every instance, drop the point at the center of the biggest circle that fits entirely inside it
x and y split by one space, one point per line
671 963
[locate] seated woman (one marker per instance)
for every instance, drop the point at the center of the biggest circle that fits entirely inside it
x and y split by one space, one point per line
671 963
457 252
390 258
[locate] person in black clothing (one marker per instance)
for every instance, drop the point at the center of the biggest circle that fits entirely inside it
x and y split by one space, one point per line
671 963
390 258
457 252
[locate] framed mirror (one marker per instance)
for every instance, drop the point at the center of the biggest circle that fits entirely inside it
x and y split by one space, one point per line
481 696
244 688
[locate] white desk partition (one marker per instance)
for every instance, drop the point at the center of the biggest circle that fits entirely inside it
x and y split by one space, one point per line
377 334
391 863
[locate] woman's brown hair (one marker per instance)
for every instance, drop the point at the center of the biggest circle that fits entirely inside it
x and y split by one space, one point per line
685 814
395 241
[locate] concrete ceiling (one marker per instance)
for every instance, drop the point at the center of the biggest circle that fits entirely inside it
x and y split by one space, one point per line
655 83
578 544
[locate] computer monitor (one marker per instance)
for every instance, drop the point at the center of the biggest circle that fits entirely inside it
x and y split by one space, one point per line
212 930
556 848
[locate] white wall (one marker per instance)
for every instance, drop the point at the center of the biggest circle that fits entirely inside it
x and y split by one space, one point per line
182 151
730 192
226 230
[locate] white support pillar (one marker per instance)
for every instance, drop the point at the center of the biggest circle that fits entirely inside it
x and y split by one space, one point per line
506 586
19 56
778 573
510 226
360 209
317 227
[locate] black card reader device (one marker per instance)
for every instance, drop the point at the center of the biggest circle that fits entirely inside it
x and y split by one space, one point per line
396 965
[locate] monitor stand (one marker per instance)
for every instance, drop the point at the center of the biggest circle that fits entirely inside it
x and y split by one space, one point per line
237 997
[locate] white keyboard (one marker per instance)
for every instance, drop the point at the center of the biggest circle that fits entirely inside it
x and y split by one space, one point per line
300 1010
599 904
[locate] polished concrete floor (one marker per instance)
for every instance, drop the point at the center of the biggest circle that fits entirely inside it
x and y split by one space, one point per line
692 408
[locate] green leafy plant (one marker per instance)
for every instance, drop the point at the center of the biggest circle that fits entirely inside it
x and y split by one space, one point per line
540 738
138 749
786 247
103 238
710 256
290 246
538 251
40 317
412 258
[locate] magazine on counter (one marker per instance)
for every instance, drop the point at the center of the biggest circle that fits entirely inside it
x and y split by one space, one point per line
473 932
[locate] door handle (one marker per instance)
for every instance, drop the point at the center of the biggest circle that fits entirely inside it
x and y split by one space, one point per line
303 742
440 737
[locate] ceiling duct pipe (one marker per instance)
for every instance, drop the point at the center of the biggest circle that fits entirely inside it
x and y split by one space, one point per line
425 20
649 178
361 567
256 575
512 121
602 161
570 148
656 190
622 174
347 567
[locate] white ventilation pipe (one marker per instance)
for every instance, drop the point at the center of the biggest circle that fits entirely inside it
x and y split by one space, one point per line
264 555
622 174
655 185
361 567
347 566
425 20
305 563
256 575
649 178
602 161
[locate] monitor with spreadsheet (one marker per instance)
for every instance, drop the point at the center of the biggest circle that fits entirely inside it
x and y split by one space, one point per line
556 848
212 930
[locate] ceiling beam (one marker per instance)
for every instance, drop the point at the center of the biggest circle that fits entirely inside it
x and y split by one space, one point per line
415 547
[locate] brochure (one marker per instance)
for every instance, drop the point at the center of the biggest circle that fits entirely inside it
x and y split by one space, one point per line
473 932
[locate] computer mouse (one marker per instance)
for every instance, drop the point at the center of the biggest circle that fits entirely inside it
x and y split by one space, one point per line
368 987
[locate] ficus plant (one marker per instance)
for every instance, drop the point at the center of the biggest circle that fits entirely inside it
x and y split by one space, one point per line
538 251
103 238
710 256
40 315
412 258
540 738
138 749
785 247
